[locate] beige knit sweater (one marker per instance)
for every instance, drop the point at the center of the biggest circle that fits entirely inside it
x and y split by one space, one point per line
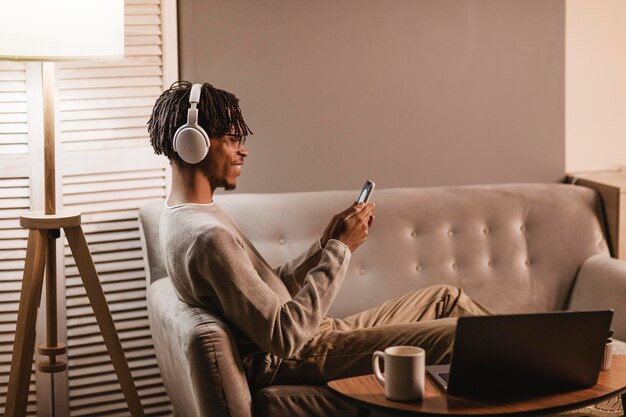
214 266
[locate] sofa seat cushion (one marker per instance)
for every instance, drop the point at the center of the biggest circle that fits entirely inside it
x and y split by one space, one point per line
300 400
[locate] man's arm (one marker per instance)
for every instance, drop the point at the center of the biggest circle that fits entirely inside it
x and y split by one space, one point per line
294 272
248 302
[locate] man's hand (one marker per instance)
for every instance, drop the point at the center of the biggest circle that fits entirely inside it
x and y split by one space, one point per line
350 226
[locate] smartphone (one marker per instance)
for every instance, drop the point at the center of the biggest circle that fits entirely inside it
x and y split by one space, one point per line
366 192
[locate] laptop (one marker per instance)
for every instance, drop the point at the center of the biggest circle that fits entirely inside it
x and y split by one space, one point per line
525 353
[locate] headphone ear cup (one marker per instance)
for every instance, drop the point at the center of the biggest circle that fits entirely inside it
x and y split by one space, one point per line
191 143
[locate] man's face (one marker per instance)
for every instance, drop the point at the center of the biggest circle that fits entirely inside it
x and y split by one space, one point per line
224 161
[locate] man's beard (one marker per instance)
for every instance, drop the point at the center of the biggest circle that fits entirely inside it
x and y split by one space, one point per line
230 187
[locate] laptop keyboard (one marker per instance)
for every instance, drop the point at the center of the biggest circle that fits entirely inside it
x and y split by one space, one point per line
445 376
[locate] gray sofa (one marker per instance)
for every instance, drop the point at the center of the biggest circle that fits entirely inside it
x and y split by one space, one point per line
512 247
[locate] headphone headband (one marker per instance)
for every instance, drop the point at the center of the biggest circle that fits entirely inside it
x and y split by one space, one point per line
196 90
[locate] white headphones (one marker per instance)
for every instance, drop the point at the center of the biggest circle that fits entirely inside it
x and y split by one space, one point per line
191 142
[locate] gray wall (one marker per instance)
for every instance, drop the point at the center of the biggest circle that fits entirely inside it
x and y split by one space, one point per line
404 92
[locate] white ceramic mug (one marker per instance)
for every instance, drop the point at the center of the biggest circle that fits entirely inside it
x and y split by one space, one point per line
608 355
404 372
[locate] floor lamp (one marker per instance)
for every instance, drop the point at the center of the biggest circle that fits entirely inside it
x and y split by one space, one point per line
49 31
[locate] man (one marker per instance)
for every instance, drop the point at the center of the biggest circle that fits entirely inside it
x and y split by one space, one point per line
279 316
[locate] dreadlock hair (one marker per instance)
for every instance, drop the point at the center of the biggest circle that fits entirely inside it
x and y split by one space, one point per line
218 114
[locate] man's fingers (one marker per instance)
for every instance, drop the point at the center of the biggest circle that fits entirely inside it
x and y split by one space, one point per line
366 211
352 210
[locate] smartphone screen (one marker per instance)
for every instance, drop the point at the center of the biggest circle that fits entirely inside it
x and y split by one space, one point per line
366 192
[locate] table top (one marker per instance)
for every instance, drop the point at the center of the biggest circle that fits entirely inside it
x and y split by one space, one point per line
365 391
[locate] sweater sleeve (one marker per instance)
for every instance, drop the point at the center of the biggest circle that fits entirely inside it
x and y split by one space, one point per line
294 272
218 257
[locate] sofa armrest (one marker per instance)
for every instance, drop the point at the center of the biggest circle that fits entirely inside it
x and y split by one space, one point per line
197 356
601 284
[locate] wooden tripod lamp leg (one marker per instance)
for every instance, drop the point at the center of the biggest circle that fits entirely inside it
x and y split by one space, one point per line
92 285
24 344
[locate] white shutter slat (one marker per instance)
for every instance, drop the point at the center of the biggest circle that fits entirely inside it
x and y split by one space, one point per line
143 40
100 72
11 97
12 244
13 107
12 86
137 160
132 2
144 50
113 176
8 75
11 214
142 30
15 149
106 268
15 128
101 93
107 103
13 182
126 184
138 124
104 144
12 65
113 82
112 258
124 219
122 276
105 134
126 315
111 205
12 276
142 20
95 344
142 9
93 330
15 203
112 394
81 200
12 138
111 248
80 311
13 117
12 265
143 383
107 114
128 61
12 255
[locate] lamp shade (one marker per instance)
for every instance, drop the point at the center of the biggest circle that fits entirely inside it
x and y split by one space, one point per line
58 30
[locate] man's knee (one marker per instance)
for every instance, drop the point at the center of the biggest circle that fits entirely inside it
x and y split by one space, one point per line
445 289
440 341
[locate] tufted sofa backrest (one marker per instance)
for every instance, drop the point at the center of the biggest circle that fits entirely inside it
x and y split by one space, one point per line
513 247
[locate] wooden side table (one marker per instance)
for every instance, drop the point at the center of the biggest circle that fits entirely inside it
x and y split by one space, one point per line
612 188
366 393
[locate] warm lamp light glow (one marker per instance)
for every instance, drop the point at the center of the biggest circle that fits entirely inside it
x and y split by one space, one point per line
56 30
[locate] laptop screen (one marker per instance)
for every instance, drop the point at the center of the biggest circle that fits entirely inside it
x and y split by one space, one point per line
528 352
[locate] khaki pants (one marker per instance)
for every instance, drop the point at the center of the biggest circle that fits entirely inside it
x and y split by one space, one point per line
343 347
